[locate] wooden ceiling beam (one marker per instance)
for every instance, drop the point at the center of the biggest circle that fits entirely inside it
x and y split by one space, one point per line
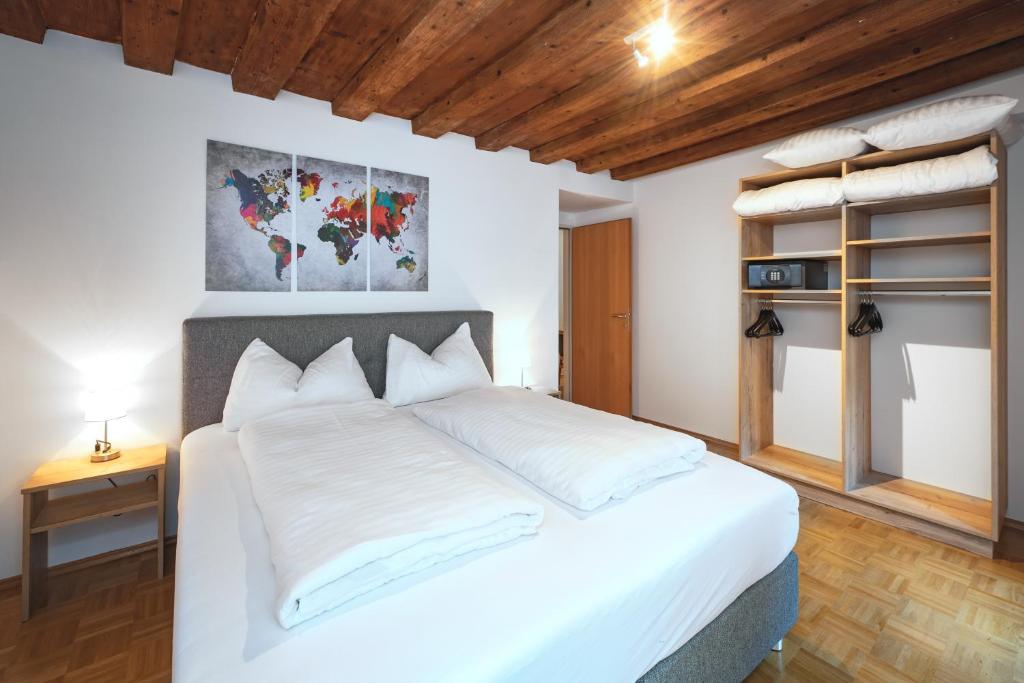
982 64
149 33
96 19
491 37
711 40
431 30
910 55
212 32
566 34
350 38
803 56
22 19
281 34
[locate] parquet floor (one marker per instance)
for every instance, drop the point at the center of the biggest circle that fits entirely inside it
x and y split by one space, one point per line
106 623
881 604
876 604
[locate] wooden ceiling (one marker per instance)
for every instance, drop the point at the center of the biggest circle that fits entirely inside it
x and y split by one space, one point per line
554 76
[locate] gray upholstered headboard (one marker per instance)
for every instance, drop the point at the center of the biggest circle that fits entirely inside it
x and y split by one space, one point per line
212 346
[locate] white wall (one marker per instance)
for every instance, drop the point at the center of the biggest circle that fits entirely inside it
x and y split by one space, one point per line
925 374
102 183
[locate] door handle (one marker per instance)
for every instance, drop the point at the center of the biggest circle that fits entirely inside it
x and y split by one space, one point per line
624 316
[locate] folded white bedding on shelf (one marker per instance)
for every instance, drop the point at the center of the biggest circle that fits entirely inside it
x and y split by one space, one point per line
796 195
974 168
580 456
354 496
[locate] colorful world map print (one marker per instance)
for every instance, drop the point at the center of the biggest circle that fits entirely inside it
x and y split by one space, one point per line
399 227
330 219
248 219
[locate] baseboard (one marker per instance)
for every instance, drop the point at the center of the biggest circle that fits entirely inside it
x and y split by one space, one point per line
719 446
92 561
1010 545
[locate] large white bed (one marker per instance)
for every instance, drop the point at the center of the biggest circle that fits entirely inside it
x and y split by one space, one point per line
597 599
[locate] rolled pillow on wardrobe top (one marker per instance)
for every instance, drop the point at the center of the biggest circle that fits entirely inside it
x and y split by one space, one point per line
976 168
944 121
796 195
818 147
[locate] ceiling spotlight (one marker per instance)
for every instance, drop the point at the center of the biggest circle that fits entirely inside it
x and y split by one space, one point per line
653 41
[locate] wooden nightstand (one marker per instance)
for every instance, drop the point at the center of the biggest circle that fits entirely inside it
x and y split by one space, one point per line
41 513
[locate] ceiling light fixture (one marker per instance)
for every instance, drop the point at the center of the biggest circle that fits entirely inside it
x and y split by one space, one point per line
653 41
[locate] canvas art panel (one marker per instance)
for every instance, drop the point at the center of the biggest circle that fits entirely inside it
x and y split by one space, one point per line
330 221
248 219
399 229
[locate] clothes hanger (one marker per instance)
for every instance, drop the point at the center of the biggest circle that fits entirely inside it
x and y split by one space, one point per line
767 323
869 320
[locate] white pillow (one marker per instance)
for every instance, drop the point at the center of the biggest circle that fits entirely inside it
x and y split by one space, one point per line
796 195
818 146
960 117
454 367
265 382
976 168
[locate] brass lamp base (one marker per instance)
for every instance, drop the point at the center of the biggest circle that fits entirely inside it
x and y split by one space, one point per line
104 456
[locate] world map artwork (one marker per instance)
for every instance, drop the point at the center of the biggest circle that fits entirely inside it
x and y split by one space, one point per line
331 218
249 191
262 199
399 227
248 219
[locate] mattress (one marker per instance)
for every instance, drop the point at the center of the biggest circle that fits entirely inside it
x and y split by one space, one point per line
600 598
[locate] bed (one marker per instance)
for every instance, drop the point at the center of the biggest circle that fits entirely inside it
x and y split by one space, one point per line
692 579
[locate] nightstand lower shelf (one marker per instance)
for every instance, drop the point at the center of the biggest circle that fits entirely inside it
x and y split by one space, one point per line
58 512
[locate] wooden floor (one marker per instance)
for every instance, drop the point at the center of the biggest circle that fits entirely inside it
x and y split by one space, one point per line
876 604
881 604
111 622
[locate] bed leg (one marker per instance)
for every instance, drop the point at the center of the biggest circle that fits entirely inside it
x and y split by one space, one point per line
777 647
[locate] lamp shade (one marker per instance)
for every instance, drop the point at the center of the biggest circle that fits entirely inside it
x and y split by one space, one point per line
101 406
518 355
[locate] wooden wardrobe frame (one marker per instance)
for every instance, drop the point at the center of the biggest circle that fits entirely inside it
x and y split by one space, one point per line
852 484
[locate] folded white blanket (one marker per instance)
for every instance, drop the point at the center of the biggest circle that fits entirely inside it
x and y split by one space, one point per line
581 456
356 495
975 168
796 195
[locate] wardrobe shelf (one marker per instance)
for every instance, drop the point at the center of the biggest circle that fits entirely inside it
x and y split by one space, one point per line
980 283
794 464
923 241
828 213
950 508
829 169
926 202
826 255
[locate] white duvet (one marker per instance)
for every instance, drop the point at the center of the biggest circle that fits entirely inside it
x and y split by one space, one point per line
354 496
796 195
581 456
975 168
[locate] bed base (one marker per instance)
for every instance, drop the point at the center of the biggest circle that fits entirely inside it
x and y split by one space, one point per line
731 646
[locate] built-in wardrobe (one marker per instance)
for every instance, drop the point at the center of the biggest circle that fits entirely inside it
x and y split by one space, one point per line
867 259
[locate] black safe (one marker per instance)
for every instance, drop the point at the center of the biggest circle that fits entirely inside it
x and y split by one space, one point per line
788 275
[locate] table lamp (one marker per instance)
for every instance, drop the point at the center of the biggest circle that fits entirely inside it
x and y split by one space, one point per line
103 406
519 356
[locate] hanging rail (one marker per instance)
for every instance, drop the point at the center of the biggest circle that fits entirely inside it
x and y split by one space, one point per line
924 292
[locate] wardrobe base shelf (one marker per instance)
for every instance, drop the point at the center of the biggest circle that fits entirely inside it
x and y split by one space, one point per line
949 508
794 464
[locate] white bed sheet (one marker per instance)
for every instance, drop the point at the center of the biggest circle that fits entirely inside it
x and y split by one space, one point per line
597 599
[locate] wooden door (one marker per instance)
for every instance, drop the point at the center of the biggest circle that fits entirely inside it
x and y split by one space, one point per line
602 336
